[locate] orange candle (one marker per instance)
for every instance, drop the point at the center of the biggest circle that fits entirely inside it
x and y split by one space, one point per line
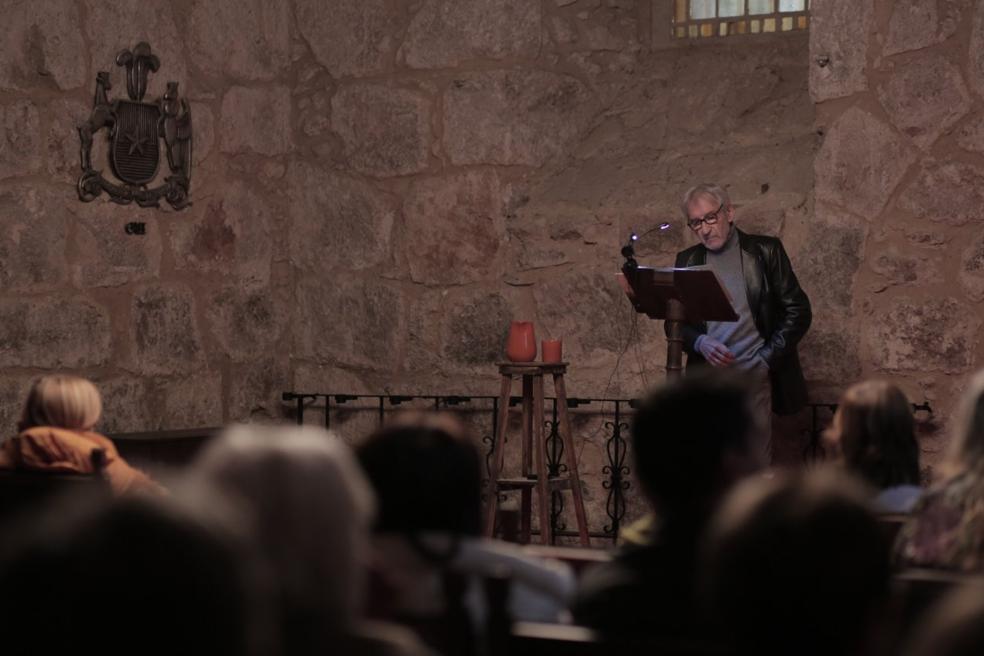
551 350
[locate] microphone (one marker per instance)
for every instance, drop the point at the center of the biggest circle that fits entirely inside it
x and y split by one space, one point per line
628 251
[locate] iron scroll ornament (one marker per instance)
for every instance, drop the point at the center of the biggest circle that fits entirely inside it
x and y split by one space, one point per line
135 130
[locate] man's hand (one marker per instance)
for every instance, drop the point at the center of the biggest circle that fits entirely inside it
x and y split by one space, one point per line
715 352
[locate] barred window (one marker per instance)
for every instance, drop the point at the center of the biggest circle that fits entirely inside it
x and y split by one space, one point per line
694 19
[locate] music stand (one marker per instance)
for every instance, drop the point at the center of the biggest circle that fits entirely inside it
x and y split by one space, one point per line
676 296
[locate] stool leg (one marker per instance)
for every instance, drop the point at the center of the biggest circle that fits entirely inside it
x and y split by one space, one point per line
526 458
568 440
542 480
525 513
498 452
528 418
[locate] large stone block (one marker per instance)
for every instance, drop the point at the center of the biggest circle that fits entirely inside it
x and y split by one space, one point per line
948 192
348 321
860 163
321 378
255 390
444 34
314 113
913 25
193 402
42 44
13 393
839 35
827 267
64 332
246 320
355 38
337 222
426 317
927 236
61 140
386 129
972 269
976 67
454 228
917 24
787 170
204 128
33 227
970 136
924 97
476 329
732 94
248 40
563 304
918 335
514 117
256 120
126 405
115 26
831 356
612 29
164 330
102 254
898 268
20 139
530 252
230 233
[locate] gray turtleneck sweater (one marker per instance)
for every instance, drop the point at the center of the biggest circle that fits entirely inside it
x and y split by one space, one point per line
741 337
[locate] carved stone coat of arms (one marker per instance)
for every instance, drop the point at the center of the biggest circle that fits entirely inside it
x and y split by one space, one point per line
135 130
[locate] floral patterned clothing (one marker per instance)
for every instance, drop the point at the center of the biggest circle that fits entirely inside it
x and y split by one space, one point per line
946 530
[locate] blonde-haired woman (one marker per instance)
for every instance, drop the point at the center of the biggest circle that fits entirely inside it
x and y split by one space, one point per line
947 527
55 435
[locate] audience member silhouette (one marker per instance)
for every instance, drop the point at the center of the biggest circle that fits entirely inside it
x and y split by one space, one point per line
955 627
55 435
798 565
310 508
135 575
430 558
874 433
692 441
946 529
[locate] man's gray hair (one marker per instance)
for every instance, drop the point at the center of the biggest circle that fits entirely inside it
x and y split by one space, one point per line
715 191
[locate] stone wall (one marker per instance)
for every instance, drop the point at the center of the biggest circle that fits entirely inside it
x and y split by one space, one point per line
899 184
380 187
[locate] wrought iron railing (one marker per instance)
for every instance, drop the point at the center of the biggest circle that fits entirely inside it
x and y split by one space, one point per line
617 479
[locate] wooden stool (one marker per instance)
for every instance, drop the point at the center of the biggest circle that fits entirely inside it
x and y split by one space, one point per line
534 443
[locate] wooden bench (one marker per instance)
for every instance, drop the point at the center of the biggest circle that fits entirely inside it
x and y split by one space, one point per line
166 448
579 558
23 492
534 639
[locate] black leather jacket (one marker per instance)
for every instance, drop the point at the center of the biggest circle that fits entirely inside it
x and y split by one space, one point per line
781 311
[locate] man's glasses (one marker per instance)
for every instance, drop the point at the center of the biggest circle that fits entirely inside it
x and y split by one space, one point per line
710 219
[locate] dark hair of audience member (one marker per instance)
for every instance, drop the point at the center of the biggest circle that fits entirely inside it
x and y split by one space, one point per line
797 564
875 431
135 575
683 436
426 474
954 627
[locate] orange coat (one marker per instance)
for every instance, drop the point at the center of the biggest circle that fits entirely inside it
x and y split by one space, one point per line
47 448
